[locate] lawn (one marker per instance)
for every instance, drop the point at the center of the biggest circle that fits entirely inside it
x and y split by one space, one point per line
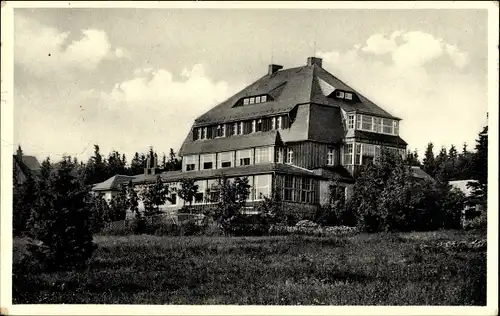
366 269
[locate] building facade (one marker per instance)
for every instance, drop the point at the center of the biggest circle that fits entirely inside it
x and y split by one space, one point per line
293 130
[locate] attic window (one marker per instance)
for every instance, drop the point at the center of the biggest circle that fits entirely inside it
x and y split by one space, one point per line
348 96
339 94
255 99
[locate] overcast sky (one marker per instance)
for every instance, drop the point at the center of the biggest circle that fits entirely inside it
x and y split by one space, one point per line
130 78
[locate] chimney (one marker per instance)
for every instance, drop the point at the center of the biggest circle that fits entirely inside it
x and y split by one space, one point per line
274 68
314 61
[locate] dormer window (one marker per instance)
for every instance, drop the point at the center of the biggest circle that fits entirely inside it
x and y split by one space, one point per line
339 94
279 122
255 99
273 123
348 96
220 132
199 133
259 125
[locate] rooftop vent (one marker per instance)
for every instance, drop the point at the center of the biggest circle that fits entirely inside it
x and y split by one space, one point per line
314 61
274 68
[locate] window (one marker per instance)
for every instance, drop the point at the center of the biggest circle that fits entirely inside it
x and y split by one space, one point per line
252 100
245 101
253 126
213 190
240 128
387 126
173 199
357 159
350 121
273 123
348 96
289 192
208 161
280 155
306 192
262 155
377 124
259 125
279 122
244 157
257 99
395 125
235 129
358 121
339 94
263 98
226 159
366 122
190 162
199 133
219 130
198 198
204 133
289 156
330 160
348 150
368 154
262 186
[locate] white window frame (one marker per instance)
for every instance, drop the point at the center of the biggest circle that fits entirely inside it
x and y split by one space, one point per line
279 122
190 160
273 123
199 133
240 128
242 154
389 125
258 185
254 126
257 99
330 157
339 94
263 152
205 158
252 100
351 120
289 156
246 101
348 96
223 157
358 121
263 98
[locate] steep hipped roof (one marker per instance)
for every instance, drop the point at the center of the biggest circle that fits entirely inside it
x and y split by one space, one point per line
113 183
289 87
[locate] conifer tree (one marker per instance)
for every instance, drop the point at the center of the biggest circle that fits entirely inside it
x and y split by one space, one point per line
429 163
61 220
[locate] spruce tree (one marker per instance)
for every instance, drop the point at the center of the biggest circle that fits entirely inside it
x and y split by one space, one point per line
136 166
429 163
62 219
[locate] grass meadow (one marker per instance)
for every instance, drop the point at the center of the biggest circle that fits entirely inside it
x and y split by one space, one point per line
365 269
